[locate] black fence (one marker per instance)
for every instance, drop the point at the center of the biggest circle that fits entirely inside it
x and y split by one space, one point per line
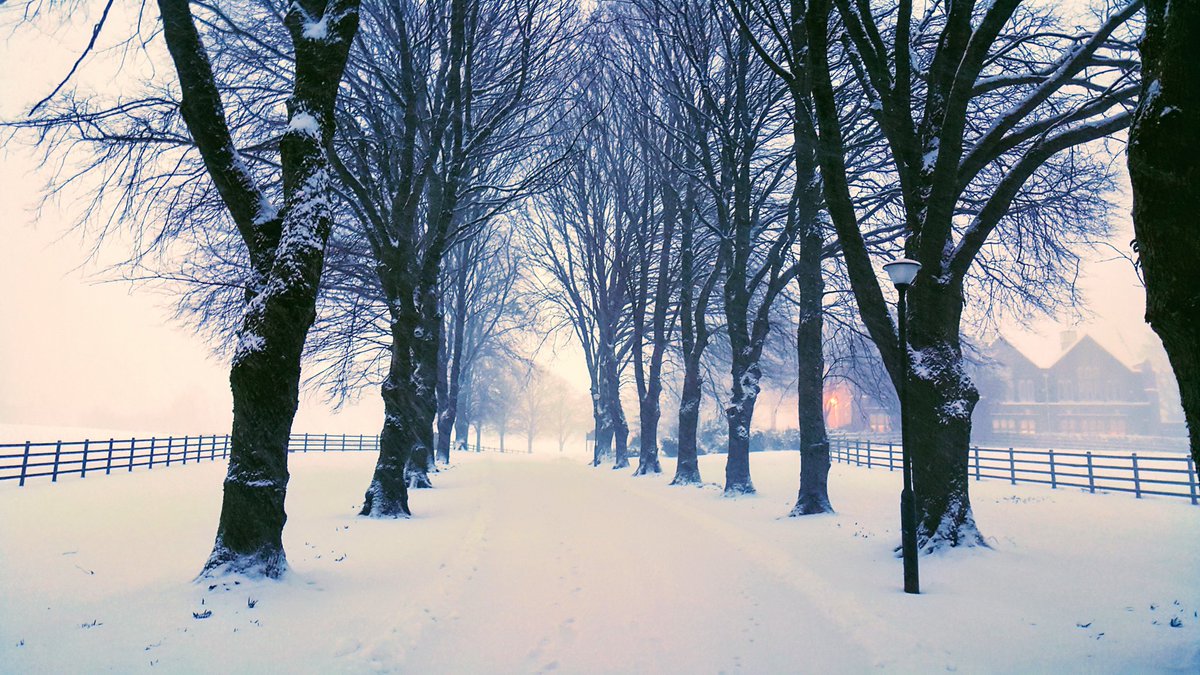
55 459
1140 474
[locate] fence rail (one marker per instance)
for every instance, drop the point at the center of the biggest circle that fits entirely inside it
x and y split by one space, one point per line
57 459
1159 474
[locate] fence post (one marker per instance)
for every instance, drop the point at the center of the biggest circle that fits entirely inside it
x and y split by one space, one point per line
1137 480
24 465
1012 466
108 463
1053 478
170 446
152 442
185 440
1192 479
83 464
1091 474
890 458
977 464
868 453
225 448
132 442
305 442
343 442
57 454
325 443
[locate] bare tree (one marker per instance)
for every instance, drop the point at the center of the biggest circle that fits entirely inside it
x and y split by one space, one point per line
442 113
276 195
582 243
482 272
981 106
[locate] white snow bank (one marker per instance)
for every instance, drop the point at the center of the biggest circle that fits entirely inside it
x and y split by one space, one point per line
517 564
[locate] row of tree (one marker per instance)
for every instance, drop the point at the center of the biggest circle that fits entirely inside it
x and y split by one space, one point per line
740 152
668 180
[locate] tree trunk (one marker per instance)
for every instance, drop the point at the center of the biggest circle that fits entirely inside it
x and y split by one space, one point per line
423 383
739 414
620 428
387 495
810 380
602 434
446 408
687 466
1163 168
649 414
938 429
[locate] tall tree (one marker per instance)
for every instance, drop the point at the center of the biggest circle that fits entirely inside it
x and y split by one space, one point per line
1164 143
981 105
286 247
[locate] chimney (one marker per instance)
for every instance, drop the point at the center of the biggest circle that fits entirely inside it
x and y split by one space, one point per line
1067 339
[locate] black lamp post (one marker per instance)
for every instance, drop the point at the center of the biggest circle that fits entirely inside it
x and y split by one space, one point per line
902 273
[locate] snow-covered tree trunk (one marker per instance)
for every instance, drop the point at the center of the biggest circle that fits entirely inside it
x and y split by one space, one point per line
620 427
693 334
387 494
941 398
286 248
1164 145
423 383
739 415
687 465
602 434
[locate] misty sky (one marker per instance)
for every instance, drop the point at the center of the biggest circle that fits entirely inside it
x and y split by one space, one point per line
75 352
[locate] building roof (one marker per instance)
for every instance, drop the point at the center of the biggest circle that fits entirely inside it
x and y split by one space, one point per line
1083 344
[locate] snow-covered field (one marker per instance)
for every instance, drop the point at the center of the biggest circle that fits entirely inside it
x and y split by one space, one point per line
536 563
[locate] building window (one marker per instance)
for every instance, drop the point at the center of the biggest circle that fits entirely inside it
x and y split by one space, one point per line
1090 386
1025 390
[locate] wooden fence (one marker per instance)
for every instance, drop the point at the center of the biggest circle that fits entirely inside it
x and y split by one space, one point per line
1156 473
55 459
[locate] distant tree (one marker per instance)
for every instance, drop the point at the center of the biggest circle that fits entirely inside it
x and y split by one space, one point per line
497 394
1164 143
580 234
482 310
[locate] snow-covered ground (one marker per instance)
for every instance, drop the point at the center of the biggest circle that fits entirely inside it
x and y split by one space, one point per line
523 563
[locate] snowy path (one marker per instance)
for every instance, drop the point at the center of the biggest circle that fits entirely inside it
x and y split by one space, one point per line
556 572
519 564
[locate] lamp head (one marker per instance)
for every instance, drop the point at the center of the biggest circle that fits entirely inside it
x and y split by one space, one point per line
902 272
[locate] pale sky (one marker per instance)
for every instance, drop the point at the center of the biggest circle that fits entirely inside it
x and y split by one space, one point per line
78 353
